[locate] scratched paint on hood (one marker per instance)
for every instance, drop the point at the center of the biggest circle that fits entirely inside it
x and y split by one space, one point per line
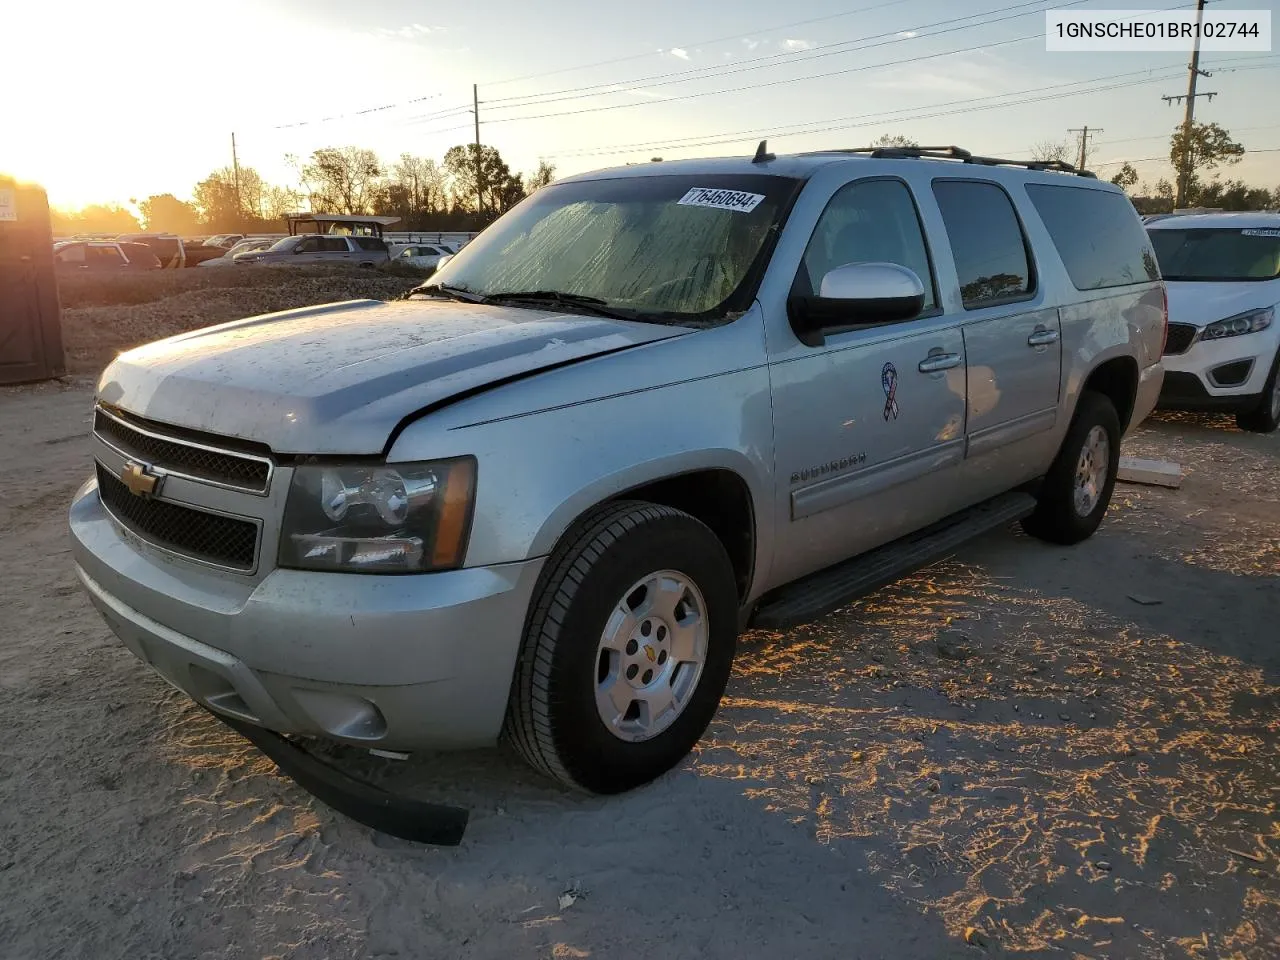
338 379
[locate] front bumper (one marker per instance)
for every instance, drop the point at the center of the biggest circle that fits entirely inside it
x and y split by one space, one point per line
1223 375
395 662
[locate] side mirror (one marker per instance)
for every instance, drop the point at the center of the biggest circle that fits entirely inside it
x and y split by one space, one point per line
443 260
856 295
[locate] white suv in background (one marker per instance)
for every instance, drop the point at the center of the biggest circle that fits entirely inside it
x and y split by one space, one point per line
1223 347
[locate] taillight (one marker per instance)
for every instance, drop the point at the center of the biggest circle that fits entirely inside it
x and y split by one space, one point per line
1164 316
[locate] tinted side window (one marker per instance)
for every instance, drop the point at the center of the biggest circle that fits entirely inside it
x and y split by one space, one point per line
870 221
103 256
369 243
308 245
1097 234
71 254
986 242
334 244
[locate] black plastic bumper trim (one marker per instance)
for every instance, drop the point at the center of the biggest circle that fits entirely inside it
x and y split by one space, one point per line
360 800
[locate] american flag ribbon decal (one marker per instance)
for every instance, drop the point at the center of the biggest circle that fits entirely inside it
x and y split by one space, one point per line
889 381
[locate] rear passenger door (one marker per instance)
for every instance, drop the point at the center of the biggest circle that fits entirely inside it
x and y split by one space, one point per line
335 249
1013 341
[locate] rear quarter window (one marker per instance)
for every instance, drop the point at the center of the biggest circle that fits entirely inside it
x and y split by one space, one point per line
1097 234
987 243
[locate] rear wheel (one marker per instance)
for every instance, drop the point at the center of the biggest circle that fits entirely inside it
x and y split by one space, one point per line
1265 417
1077 489
627 649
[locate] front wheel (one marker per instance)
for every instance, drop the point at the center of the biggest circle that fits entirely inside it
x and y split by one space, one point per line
627 649
1077 489
1265 417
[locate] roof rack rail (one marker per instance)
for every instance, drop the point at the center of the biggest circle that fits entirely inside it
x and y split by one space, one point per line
964 156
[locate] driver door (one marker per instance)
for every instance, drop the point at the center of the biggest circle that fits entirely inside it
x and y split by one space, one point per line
869 426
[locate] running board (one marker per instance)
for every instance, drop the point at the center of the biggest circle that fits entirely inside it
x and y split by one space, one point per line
362 801
820 593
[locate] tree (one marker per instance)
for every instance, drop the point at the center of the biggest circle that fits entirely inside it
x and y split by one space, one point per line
895 140
1047 151
343 179
108 218
215 199
165 213
487 186
545 173
1206 148
1126 178
414 191
1229 195
278 202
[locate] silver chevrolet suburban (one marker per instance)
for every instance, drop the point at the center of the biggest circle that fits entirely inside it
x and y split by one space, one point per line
538 499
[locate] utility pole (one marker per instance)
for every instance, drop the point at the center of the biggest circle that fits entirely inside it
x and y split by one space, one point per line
1188 120
475 108
235 167
1084 143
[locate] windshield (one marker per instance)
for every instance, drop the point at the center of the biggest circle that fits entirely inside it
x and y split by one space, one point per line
661 247
1217 254
286 243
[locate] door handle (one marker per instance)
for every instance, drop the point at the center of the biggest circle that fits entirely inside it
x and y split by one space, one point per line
1042 338
940 361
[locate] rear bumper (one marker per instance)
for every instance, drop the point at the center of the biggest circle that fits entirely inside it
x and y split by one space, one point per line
400 663
1149 381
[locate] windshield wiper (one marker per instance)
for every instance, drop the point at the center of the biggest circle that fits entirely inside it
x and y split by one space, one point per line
589 304
451 293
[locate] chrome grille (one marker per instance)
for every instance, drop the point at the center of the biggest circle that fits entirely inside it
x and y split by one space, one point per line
1179 338
185 458
209 537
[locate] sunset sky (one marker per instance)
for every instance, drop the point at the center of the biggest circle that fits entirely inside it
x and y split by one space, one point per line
108 101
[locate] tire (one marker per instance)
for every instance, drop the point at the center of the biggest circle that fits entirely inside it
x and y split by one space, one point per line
553 720
1265 417
1058 517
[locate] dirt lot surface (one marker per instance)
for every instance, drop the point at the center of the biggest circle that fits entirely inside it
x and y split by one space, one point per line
103 314
1024 749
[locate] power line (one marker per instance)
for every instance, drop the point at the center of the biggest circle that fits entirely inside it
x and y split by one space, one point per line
874 119
795 128
900 35
1165 158
698 43
766 84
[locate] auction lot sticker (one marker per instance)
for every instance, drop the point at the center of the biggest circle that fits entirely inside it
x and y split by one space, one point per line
8 210
734 200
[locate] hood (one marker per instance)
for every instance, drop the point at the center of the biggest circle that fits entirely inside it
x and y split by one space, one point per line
1202 302
338 379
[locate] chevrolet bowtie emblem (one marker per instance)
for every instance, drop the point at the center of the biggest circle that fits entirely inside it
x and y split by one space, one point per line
139 480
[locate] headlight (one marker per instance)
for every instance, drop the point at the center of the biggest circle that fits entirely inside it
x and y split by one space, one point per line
1240 324
379 518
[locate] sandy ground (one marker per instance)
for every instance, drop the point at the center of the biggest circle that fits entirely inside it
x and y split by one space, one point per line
1007 747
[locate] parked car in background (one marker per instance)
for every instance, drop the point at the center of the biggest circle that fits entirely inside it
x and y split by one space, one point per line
538 499
171 250
423 256
228 258
224 240
320 248
1223 348
104 255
